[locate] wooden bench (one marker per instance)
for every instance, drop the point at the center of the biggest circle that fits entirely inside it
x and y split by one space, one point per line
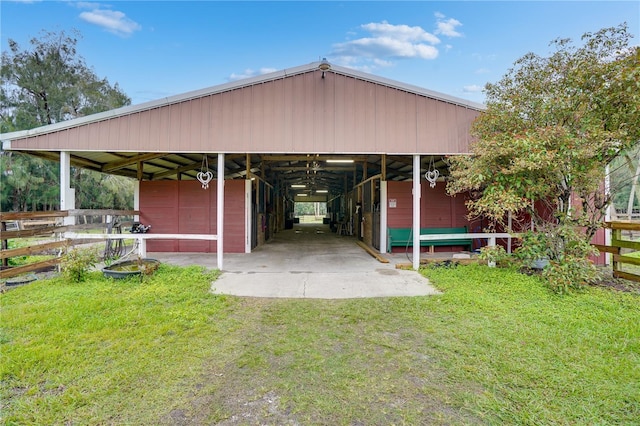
402 237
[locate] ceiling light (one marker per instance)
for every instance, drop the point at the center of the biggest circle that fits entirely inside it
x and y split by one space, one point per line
340 161
302 195
298 186
322 191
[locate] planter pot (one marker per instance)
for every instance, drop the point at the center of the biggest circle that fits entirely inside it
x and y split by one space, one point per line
491 263
128 268
539 263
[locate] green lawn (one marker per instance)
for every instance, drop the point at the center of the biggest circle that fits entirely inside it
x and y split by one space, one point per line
496 348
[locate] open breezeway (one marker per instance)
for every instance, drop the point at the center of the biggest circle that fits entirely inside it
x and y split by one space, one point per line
308 261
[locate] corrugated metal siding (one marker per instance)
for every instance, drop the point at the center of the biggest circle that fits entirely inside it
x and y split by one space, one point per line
303 113
172 207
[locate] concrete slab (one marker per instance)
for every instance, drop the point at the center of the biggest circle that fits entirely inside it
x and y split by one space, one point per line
308 261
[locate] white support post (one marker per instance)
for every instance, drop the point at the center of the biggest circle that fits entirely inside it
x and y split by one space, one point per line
142 247
383 216
220 210
247 215
416 212
67 194
136 199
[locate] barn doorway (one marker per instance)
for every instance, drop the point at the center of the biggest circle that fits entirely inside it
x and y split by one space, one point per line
313 212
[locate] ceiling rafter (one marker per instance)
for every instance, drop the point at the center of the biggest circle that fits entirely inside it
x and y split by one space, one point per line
119 164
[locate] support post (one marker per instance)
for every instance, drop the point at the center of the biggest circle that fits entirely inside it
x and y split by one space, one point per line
416 212
383 216
67 194
220 210
136 199
247 215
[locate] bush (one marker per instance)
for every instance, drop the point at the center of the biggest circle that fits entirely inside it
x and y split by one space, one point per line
77 263
568 250
570 273
493 254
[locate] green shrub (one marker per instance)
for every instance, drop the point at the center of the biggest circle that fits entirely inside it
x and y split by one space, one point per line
77 263
493 254
570 273
534 246
567 249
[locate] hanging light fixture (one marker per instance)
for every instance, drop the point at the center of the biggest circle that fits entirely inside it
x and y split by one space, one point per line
324 66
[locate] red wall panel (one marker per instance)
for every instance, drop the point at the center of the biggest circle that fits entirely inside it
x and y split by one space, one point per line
437 209
184 207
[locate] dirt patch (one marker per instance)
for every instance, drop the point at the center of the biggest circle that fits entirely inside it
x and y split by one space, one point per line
284 369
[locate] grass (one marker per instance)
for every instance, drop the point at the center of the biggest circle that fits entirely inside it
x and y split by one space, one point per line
496 348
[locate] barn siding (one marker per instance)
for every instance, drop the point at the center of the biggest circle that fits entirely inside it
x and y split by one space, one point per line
173 207
302 113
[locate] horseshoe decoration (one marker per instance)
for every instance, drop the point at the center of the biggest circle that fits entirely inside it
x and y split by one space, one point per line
432 176
204 175
205 178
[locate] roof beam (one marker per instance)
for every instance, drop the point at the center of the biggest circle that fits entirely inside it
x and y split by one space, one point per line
348 168
131 160
313 157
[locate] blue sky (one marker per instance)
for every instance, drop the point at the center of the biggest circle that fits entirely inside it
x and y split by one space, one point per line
154 49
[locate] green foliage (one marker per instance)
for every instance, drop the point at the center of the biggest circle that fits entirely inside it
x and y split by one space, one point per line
493 254
551 126
28 183
568 253
50 83
571 273
533 246
45 84
77 263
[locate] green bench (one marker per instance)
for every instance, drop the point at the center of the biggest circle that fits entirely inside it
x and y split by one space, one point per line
403 237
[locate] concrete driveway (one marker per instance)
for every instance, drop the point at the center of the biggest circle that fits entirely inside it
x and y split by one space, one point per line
308 261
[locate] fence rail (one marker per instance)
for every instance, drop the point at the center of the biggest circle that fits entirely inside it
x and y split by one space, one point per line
46 226
621 248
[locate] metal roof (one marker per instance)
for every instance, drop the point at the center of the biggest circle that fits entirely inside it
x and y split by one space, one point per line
118 112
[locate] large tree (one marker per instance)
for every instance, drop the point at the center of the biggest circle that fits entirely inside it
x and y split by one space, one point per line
551 127
44 84
50 82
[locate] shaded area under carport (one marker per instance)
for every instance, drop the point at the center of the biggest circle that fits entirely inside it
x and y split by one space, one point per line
308 261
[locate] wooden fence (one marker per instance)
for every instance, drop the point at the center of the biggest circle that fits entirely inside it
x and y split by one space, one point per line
46 230
625 239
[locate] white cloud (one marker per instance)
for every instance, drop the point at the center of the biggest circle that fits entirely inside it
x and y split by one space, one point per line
390 41
472 88
87 5
389 47
112 20
383 43
447 27
248 73
480 57
400 32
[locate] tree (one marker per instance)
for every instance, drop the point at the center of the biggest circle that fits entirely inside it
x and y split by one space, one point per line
46 84
551 126
51 83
